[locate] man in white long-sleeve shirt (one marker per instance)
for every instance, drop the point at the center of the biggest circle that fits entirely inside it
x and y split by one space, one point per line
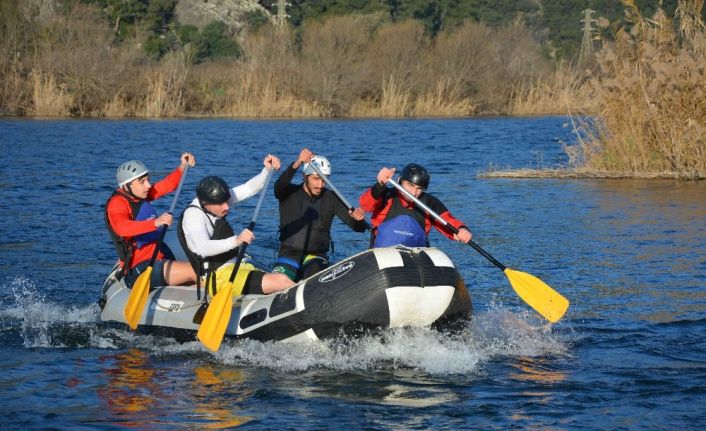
210 242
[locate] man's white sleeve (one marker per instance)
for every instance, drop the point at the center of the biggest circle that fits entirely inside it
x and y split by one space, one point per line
248 189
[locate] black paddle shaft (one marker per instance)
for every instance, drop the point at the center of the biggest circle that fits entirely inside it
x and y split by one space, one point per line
241 253
251 227
171 210
446 224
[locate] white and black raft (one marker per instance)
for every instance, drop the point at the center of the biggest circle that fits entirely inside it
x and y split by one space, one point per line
379 288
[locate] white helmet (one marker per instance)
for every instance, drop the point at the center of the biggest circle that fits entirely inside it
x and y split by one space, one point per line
321 162
130 170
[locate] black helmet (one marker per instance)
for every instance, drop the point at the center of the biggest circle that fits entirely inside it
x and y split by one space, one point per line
416 174
212 190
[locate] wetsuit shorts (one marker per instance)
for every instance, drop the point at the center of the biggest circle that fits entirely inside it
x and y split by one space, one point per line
156 278
291 268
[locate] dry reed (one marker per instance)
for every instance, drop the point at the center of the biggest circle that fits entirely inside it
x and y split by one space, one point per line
49 98
552 94
651 91
343 66
394 102
266 84
118 106
165 88
257 95
445 99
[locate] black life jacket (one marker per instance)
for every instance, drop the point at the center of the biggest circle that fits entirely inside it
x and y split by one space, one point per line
309 232
221 230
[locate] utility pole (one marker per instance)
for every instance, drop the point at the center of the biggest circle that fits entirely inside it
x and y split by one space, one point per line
281 16
587 41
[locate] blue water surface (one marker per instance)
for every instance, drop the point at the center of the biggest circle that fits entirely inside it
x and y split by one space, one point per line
628 254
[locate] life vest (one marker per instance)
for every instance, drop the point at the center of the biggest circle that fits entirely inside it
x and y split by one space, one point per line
402 226
309 233
221 230
139 210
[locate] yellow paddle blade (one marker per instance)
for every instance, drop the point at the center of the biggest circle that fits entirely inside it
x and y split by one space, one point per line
138 298
214 324
538 295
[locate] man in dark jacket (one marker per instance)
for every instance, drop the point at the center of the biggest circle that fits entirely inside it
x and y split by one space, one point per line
306 212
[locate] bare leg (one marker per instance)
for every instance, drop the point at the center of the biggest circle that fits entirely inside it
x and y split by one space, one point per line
274 282
178 272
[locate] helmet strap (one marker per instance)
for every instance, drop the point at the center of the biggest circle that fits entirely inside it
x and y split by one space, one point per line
203 207
128 189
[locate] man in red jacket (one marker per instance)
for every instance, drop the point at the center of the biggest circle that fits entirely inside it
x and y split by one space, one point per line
396 220
134 226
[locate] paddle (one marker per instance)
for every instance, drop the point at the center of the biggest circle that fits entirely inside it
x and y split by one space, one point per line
335 190
537 294
141 287
214 324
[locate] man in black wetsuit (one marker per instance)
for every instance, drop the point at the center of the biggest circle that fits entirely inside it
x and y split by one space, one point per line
306 213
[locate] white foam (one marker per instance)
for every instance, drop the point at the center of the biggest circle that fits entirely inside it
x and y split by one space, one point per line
37 316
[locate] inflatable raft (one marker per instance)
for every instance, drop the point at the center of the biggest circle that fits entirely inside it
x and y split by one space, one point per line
376 289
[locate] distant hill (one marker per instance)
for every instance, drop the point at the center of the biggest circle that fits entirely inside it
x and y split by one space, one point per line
555 23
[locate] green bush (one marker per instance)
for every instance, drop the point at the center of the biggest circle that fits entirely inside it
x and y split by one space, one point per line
255 19
188 33
214 42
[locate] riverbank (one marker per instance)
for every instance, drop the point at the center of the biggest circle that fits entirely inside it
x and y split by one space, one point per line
581 173
72 64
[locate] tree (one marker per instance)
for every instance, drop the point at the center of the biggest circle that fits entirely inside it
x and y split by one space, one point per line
214 42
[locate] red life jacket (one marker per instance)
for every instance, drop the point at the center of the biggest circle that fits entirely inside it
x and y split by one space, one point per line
139 210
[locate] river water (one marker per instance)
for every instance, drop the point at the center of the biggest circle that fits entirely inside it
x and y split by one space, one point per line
629 255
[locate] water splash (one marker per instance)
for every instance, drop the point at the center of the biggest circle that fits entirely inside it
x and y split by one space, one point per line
495 334
490 335
42 323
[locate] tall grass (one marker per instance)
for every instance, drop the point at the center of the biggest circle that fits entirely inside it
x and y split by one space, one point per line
552 94
356 65
49 98
165 88
267 84
444 99
394 101
15 93
253 94
651 98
